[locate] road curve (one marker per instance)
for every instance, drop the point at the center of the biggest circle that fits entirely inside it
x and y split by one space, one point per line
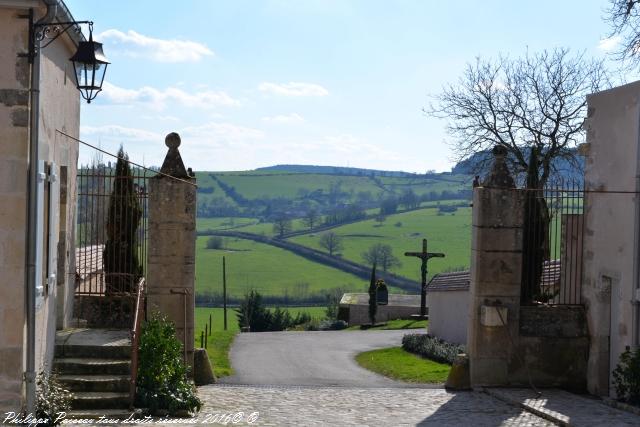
319 358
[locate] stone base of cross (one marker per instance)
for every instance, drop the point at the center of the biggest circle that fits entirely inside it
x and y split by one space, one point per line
424 256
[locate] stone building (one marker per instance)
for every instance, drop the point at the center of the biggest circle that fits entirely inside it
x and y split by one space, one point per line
59 109
448 295
611 285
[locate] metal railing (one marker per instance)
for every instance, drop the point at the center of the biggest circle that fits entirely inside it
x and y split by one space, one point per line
111 229
135 340
553 244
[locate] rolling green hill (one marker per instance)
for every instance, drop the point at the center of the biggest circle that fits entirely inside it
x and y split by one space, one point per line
447 233
250 202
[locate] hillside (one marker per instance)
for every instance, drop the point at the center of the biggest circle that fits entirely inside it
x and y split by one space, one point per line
345 193
363 206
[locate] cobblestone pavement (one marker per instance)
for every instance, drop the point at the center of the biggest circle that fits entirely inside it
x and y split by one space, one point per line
341 406
574 410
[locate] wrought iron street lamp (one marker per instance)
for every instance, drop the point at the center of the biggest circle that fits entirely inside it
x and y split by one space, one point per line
89 61
90 66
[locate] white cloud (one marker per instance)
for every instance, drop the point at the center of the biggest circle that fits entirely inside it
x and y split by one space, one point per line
284 119
221 134
293 89
137 45
610 43
120 132
161 98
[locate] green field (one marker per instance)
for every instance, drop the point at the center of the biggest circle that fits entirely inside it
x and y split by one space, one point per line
450 234
267 269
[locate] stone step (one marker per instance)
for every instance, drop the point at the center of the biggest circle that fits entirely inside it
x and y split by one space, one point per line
84 383
117 415
94 343
79 365
92 351
100 400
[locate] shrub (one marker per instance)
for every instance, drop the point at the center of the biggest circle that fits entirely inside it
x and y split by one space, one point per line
260 319
51 398
332 325
215 242
162 374
626 376
431 347
253 314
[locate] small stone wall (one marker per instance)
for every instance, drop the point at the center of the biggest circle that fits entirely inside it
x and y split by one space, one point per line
554 342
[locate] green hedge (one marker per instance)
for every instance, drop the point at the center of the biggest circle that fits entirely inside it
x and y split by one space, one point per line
431 347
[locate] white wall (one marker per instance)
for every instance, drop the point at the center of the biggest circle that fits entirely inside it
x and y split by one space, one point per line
449 315
611 227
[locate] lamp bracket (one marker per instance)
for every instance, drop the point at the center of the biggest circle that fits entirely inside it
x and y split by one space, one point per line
51 31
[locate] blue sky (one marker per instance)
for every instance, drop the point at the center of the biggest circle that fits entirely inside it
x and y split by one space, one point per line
332 82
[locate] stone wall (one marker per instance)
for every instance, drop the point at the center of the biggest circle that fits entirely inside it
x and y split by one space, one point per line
359 314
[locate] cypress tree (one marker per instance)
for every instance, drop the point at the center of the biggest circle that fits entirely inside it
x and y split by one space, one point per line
373 297
122 267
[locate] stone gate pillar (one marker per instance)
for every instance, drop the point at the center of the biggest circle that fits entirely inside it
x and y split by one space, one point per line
496 265
172 245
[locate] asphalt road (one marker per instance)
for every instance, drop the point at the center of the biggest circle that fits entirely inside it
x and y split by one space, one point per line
309 358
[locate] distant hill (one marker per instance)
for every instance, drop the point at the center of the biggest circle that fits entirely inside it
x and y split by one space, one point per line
480 163
335 170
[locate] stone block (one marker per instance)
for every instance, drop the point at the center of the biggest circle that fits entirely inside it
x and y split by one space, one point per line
491 239
202 370
488 371
12 326
502 208
13 176
13 141
172 306
553 321
458 378
11 362
12 249
496 273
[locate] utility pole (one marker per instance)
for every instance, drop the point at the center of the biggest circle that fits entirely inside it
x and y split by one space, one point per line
224 291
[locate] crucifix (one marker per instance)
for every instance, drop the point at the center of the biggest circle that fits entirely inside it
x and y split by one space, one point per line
424 257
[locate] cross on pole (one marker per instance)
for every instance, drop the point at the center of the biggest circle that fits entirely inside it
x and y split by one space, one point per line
424 257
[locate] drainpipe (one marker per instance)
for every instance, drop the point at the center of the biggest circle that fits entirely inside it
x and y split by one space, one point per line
32 219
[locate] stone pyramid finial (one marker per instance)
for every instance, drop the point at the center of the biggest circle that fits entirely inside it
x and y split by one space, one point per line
499 177
173 164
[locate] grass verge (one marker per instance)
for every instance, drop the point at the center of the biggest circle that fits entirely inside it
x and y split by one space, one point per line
398 364
218 345
393 325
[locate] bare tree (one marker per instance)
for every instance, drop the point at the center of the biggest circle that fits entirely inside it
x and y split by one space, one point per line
382 255
282 225
331 242
535 102
624 18
311 218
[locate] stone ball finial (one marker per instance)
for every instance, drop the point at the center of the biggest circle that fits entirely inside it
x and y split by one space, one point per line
499 151
172 140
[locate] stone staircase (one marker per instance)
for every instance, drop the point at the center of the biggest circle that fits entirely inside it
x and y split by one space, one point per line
95 365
